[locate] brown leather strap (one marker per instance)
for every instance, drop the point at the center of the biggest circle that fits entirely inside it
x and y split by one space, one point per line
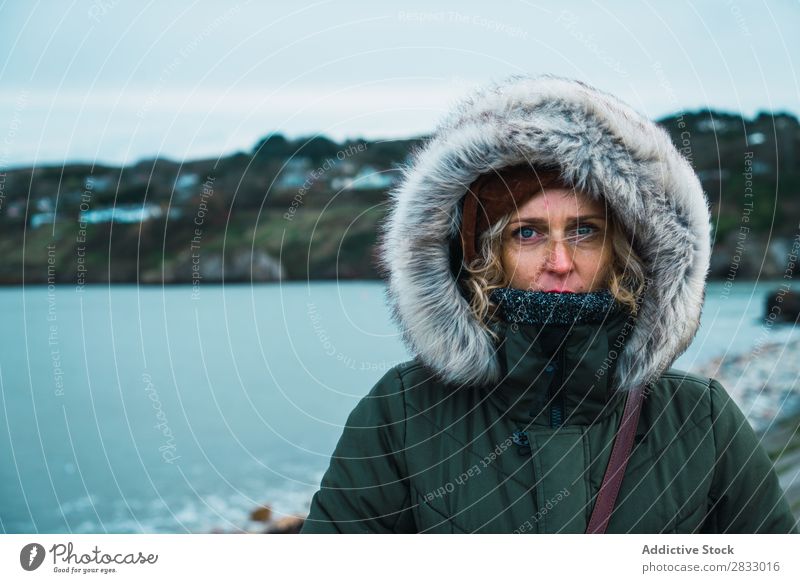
620 453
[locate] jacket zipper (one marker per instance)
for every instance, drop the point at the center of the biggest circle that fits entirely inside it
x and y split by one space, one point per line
556 394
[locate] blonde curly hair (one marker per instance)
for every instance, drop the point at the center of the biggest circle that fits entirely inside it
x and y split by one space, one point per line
626 281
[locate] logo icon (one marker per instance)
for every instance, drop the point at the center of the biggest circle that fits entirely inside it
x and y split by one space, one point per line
31 556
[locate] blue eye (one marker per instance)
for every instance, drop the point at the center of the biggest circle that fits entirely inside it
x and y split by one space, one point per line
526 232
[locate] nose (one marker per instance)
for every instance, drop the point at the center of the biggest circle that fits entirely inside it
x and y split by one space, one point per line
559 257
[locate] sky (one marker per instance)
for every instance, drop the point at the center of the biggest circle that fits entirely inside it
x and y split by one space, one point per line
117 81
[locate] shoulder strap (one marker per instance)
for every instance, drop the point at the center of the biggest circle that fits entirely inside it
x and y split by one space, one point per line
620 453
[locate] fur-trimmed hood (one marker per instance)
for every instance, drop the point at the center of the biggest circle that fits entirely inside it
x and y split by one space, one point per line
604 148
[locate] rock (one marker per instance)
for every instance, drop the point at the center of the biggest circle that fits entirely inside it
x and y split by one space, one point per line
784 304
762 381
243 266
239 266
261 514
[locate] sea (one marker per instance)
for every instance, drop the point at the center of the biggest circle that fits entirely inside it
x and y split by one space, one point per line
151 409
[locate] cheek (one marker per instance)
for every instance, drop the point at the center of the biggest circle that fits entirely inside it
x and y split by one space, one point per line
519 261
507 251
508 259
514 255
597 262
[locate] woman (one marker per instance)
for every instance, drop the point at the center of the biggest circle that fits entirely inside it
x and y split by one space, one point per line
546 253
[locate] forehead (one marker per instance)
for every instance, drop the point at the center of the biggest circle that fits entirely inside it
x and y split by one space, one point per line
560 202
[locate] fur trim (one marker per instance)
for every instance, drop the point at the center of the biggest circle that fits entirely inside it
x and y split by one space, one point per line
605 148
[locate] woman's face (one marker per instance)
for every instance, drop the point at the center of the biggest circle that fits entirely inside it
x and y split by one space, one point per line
558 241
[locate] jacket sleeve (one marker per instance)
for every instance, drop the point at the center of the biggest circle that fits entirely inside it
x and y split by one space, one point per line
746 496
365 488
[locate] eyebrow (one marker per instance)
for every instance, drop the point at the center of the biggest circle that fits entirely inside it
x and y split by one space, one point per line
545 222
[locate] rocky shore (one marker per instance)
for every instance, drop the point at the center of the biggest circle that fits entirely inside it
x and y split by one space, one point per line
764 383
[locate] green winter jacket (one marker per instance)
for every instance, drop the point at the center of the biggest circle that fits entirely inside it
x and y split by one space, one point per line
513 433
416 456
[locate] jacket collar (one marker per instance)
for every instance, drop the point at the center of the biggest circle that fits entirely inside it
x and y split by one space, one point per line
542 335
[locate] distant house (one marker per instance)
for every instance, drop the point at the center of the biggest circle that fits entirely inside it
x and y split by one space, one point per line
294 173
715 125
131 213
39 219
44 204
185 186
122 214
370 178
348 167
15 209
341 183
